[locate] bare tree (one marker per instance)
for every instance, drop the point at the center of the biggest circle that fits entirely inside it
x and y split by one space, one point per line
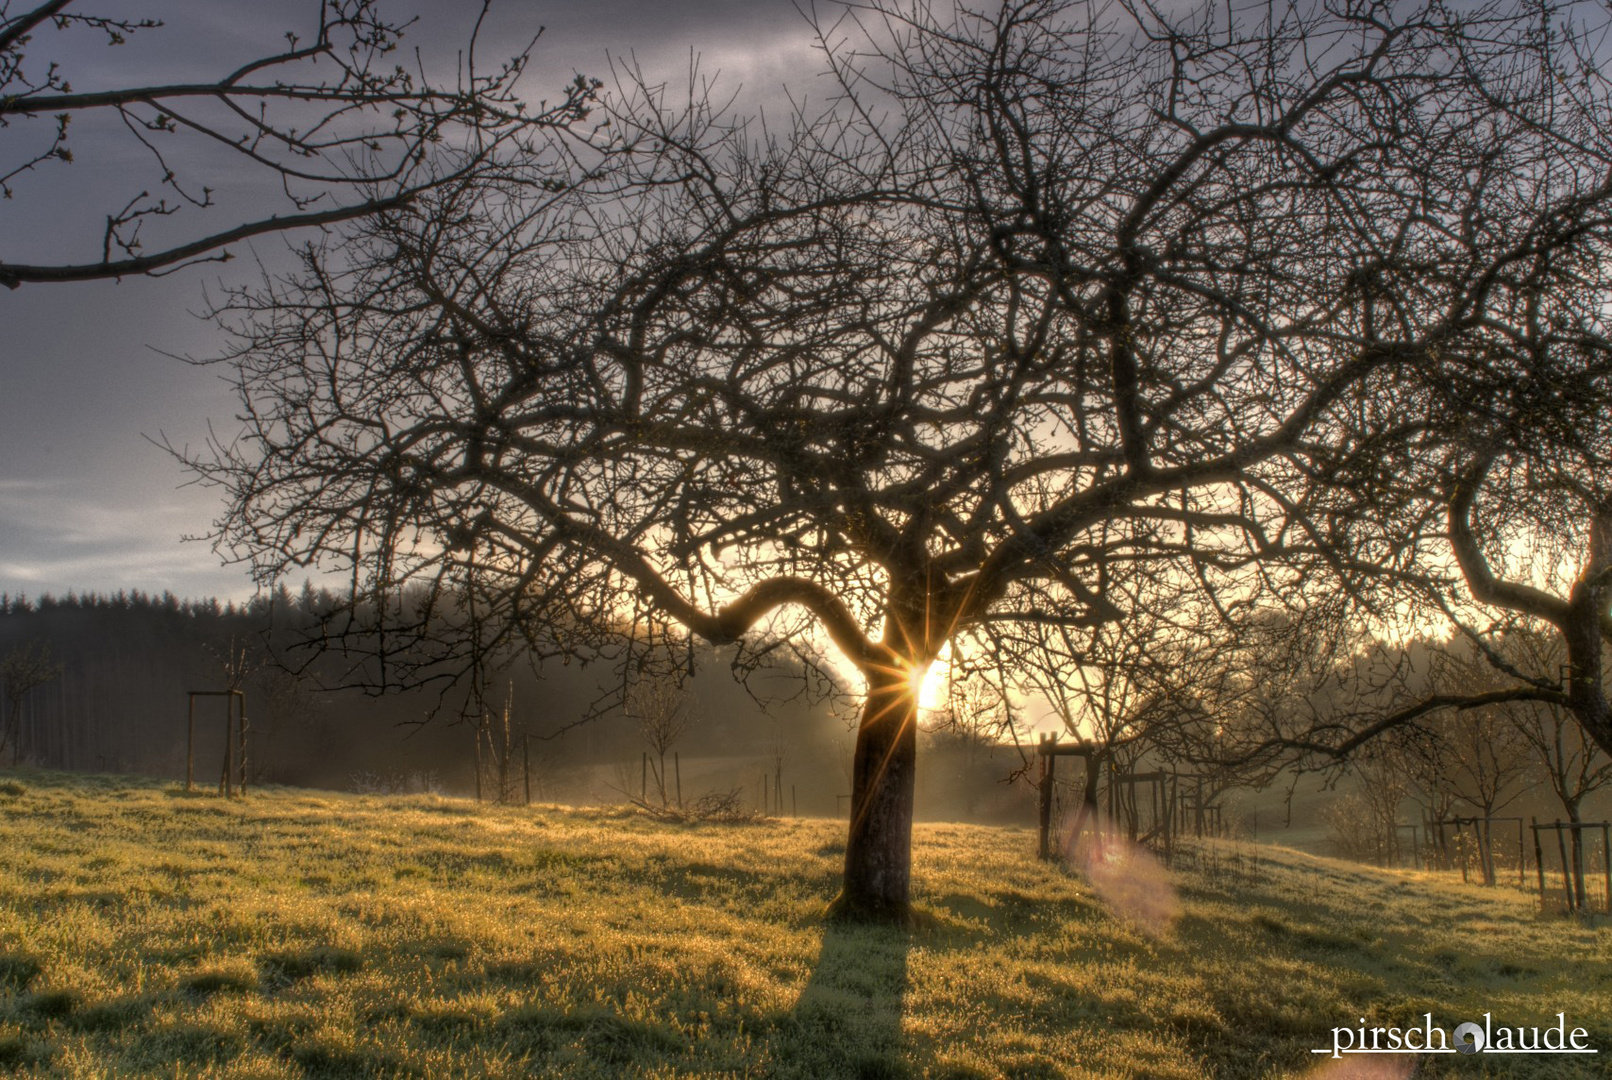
1574 766
1472 758
1045 292
662 709
1560 750
1488 766
1426 768
335 116
1506 566
1364 823
234 665
22 670
1127 692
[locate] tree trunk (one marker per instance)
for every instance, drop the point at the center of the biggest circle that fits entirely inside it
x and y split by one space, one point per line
878 849
1576 850
1486 848
480 721
1583 638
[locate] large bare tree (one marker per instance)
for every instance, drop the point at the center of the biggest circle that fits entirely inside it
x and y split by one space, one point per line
1046 297
334 115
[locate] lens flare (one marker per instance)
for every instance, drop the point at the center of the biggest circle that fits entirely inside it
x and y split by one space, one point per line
1136 886
1388 1067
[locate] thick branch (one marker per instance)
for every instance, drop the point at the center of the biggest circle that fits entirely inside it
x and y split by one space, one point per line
1458 702
732 620
151 95
1475 566
13 274
735 618
20 26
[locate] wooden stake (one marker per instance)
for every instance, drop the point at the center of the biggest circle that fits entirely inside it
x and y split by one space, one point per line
1539 861
478 758
1606 860
1578 868
1567 877
505 796
226 788
1044 802
242 697
190 744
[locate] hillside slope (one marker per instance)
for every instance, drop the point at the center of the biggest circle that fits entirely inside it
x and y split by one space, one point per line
146 932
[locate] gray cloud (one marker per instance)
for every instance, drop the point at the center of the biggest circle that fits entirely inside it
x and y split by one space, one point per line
56 536
86 502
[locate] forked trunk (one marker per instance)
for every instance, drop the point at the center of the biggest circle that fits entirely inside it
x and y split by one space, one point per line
878 849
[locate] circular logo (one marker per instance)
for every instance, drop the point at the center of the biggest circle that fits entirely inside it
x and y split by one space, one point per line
1469 1038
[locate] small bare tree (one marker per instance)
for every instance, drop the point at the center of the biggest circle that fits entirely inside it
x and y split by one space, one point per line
1560 751
664 713
22 670
1364 823
1573 765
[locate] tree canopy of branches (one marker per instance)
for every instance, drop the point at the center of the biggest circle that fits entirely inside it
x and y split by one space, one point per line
335 117
1055 310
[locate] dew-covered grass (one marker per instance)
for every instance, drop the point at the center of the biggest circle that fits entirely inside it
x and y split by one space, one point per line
146 932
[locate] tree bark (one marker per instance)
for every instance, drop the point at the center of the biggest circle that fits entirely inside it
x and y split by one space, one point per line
1586 636
878 849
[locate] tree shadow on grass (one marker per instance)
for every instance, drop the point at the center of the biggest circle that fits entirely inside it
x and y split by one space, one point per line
847 1022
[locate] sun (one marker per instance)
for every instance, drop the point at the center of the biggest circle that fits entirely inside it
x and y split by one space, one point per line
916 680
928 685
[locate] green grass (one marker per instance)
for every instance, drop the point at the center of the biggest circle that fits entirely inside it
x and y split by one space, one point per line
302 934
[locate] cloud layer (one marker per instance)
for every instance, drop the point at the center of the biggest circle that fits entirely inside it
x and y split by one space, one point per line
86 501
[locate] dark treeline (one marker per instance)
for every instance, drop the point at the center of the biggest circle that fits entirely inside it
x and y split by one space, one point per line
128 661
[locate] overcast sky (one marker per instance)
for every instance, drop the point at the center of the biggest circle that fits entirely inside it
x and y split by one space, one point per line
87 502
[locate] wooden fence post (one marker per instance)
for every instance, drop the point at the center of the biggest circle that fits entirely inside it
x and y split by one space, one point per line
1539 860
190 743
1567 874
225 786
242 701
1606 861
1044 810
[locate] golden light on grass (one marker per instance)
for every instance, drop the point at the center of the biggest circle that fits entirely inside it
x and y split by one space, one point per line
301 934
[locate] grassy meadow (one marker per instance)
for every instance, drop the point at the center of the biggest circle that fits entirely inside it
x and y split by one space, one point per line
146 932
